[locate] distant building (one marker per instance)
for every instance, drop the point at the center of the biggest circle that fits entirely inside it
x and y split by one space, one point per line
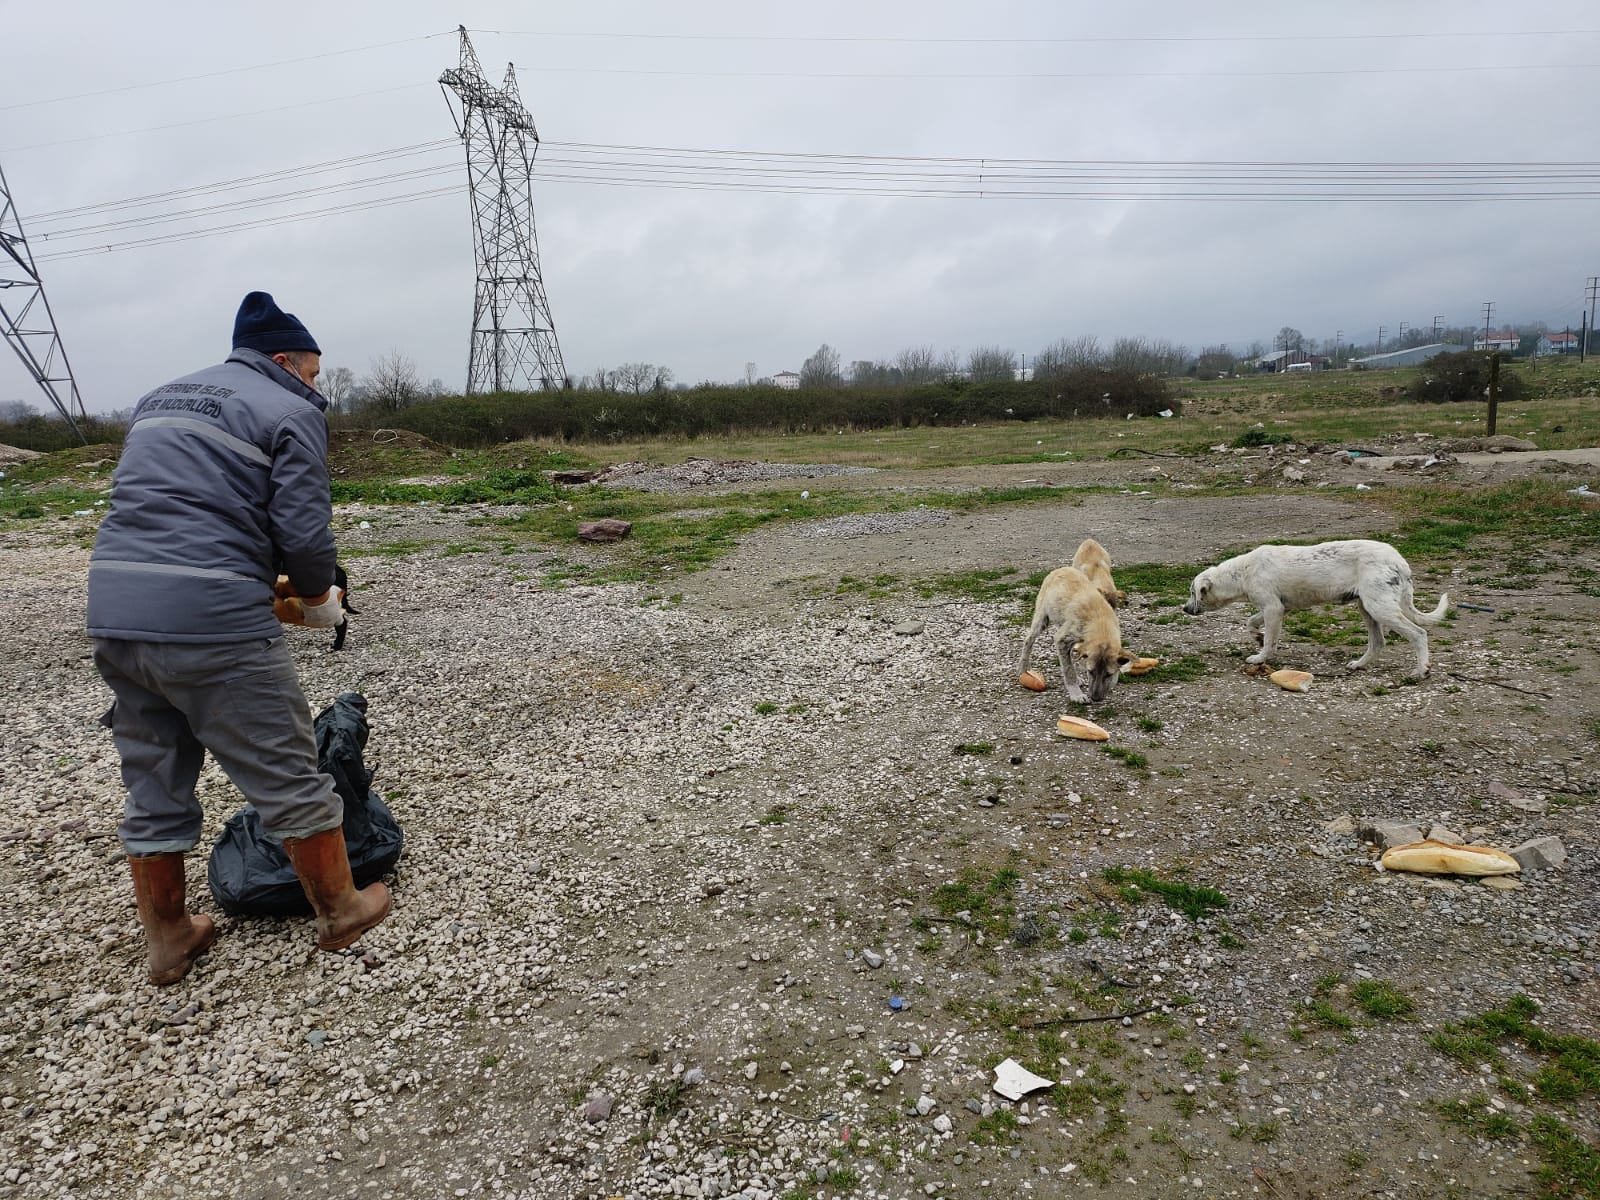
1558 343
787 379
1022 374
1404 358
1505 340
1283 360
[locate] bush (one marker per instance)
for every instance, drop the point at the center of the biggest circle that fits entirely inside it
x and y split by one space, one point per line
721 409
1463 376
48 433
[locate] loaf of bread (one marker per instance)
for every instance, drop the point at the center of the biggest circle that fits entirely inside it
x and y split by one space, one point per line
1077 727
1033 681
1442 858
1292 681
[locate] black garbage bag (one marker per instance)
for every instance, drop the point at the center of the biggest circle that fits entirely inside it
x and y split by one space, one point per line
251 876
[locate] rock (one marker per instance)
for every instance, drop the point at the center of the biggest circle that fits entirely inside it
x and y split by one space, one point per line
713 887
751 1070
1386 834
606 529
1293 474
1501 883
598 1108
1440 833
1541 854
572 477
909 628
1343 823
926 1104
872 958
943 1123
315 1037
694 1076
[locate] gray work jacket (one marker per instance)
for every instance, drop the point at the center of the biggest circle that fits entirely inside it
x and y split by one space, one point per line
222 486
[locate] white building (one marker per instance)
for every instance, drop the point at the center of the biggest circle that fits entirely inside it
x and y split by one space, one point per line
787 379
1504 340
1409 357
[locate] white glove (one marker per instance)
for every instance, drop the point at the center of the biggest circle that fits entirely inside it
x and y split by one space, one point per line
327 614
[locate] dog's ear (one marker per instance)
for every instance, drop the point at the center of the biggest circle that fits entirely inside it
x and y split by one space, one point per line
1121 598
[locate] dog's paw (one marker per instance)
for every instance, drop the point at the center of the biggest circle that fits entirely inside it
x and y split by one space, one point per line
1076 695
1257 658
1355 664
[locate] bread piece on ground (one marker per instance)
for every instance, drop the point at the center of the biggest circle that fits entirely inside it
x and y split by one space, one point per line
1442 858
1077 727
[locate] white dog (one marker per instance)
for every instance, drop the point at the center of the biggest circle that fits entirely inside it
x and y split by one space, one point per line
1080 622
1277 579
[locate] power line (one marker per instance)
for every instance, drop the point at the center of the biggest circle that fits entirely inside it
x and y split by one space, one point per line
946 76
1432 35
176 79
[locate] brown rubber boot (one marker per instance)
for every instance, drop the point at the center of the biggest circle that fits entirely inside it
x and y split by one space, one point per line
343 914
174 938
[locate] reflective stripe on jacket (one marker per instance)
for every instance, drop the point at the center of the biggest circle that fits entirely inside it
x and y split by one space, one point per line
222 486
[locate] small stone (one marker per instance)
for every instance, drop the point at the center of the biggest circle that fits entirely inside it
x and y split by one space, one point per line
751 1070
943 1123
925 1105
316 1037
694 1076
598 1109
1501 883
908 628
872 958
1343 823
1541 854
974 1107
1442 833
607 529
713 887
1386 834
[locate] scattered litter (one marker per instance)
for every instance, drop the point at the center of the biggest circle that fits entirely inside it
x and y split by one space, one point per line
1441 858
1014 1081
83 512
1165 412
896 1004
365 525
1582 492
1363 487
1474 607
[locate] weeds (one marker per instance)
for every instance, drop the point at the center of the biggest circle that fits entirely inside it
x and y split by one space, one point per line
1192 901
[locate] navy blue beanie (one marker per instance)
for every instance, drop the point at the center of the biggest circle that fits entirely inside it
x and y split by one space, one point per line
261 325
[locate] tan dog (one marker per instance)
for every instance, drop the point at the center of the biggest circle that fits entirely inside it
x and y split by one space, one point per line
1080 622
1095 563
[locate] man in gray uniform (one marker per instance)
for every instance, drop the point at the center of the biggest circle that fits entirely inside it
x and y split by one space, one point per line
222 486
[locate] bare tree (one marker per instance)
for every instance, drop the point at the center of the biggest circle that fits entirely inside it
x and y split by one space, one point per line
866 372
821 369
640 377
12 411
991 362
749 373
917 364
1063 355
337 384
392 384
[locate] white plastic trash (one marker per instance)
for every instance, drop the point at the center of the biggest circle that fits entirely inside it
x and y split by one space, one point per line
1014 1081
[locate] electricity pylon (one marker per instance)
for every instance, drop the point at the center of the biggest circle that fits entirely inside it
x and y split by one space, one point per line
514 345
32 334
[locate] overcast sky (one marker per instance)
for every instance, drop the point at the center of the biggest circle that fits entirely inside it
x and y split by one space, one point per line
705 280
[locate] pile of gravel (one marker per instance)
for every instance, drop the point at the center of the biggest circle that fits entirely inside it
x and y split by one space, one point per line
711 472
854 525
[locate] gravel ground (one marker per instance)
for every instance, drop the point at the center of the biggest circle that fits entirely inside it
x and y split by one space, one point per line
698 473
653 932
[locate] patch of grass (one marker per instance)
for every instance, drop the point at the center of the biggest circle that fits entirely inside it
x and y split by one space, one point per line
1149 724
998 1128
1192 901
776 815
974 748
1251 438
1327 626
1441 521
1381 999
1571 1165
986 895
1165 583
1179 670
1127 757
664 1097
765 707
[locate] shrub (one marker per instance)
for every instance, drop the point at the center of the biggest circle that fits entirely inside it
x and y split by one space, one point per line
1463 376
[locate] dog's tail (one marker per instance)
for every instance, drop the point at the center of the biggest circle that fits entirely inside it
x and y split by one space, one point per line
1434 617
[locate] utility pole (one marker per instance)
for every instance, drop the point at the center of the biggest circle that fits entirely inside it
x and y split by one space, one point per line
1380 339
1338 340
1488 311
514 345
1494 387
36 341
1594 286
1400 338
1438 328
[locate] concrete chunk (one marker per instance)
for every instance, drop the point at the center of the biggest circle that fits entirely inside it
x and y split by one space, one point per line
1386 834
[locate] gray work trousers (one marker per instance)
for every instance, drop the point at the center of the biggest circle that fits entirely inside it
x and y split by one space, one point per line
241 701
